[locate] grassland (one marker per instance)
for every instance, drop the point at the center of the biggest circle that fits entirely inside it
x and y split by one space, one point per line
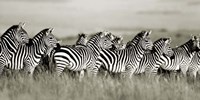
177 19
49 87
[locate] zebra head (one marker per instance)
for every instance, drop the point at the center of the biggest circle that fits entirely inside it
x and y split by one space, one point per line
117 40
49 39
118 43
162 46
21 35
138 37
167 48
146 43
195 43
105 40
82 39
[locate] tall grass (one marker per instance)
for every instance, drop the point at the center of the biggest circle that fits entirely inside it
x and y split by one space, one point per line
49 87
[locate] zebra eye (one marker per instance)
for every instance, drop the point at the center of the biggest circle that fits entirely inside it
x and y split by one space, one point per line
50 38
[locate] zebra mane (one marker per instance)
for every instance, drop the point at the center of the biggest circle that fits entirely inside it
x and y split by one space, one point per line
82 35
37 37
188 45
94 37
30 42
58 46
136 39
154 43
40 34
189 42
12 28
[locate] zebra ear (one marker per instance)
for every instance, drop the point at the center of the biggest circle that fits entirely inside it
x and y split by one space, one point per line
101 34
194 37
170 39
121 38
148 32
60 41
106 33
79 34
22 24
86 35
112 37
167 41
49 31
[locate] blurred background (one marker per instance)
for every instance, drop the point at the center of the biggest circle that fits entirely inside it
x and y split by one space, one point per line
174 18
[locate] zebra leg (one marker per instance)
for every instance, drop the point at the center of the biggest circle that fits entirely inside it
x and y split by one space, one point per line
59 69
198 73
31 71
194 73
1 70
81 75
105 74
129 71
184 70
3 63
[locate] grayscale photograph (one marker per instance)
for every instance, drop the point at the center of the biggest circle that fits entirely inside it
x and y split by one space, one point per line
99 49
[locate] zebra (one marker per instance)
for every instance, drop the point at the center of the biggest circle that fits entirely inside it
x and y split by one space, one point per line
194 65
47 63
81 58
151 61
28 56
137 38
9 43
126 60
118 44
82 39
182 56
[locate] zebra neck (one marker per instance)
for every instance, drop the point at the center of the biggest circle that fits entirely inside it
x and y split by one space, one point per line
10 44
95 50
187 50
157 52
93 45
157 55
139 50
41 47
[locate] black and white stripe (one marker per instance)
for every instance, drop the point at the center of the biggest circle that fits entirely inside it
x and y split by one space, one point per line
151 61
81 58
125 60
182 56
9 43
28 56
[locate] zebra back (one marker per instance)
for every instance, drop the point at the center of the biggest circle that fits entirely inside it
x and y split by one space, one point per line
182 56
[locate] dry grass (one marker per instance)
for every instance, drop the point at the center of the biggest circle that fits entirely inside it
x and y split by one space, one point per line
49 87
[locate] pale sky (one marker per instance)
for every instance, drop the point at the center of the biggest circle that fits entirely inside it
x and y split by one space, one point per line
73 16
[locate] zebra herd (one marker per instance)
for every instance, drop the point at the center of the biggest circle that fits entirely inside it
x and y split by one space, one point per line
102 51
